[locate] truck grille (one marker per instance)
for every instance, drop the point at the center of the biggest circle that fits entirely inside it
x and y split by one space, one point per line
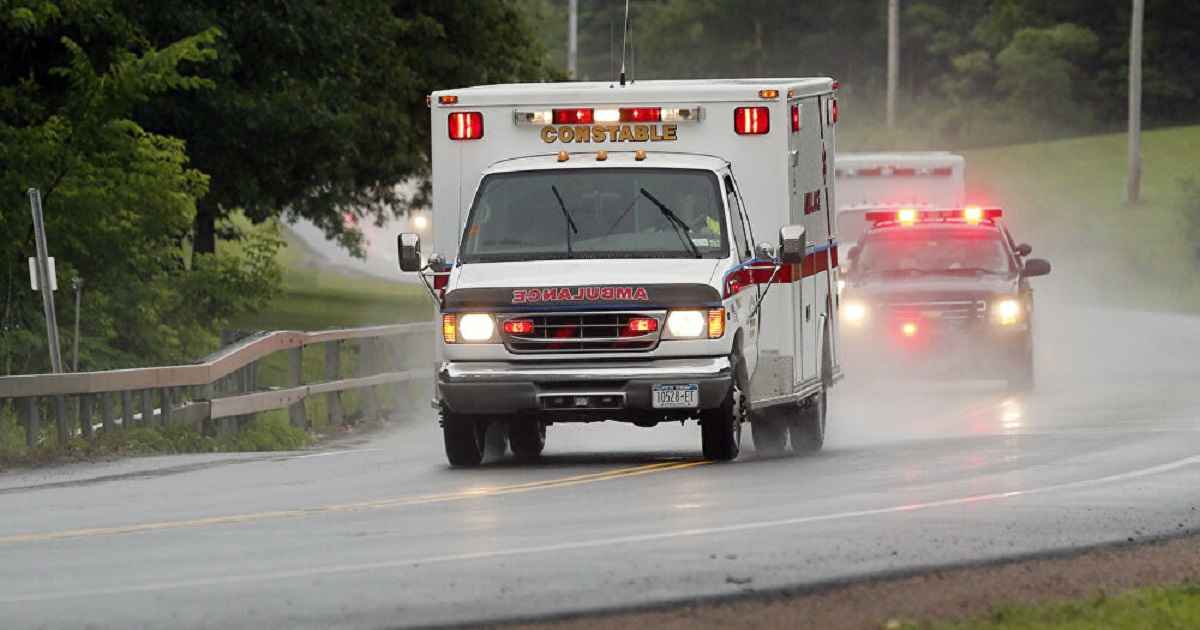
960 311
583 332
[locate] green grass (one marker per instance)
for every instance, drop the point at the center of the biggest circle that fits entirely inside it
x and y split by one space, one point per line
315 297
1159 608
1067 199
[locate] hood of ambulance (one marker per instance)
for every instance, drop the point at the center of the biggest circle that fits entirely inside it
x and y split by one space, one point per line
883 288
584 272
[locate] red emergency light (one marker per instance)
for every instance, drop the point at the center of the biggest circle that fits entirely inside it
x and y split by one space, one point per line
641 325
466 125
518 326
795 118
752 121
970 214
641 114
576 116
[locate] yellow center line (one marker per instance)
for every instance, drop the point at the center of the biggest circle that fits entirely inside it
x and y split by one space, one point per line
377 504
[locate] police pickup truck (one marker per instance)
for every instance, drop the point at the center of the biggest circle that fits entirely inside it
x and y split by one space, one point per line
945 290
599 260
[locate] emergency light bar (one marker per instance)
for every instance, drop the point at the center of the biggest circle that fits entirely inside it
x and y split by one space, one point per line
592 115
897 171
908 216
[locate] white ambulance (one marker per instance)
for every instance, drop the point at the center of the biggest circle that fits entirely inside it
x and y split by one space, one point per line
890 181
597 260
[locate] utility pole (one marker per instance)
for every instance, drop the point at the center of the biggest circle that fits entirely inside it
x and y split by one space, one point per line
1133 184
572 39
893 60
44 282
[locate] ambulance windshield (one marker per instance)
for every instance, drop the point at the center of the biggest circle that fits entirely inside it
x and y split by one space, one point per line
596 213
934 251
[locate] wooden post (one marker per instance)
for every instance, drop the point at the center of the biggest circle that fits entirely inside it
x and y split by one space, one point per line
365 368
1133 181
165 401
28 409
60 420
147 407
106 411
296 412
126 409
87 406
333 371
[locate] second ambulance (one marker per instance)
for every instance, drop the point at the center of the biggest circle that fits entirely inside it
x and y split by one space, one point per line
642 253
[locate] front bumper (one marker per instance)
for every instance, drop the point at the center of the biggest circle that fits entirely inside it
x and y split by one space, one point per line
613 390
982 348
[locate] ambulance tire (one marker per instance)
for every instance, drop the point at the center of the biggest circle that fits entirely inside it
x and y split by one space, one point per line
770 432
527 439
1021 378
808 432
721 428
465 439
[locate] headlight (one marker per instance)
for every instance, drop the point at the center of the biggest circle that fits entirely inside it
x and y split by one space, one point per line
1007 312
476 327
854 312
687 324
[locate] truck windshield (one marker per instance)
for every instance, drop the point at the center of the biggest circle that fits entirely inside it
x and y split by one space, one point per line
596 213
934 251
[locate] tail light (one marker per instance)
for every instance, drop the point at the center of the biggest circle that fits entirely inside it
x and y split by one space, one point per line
578 116
640 325
795 118
641 114
466 125
833 111
450 328
518 326
752 121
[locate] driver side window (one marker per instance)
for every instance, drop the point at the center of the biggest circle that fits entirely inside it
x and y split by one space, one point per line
738 227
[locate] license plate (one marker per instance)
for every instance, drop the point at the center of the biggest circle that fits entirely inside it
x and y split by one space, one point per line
677 396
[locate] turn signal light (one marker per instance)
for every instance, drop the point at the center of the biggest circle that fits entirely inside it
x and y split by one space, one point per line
466 125
518 326
716 323
450 328
751 121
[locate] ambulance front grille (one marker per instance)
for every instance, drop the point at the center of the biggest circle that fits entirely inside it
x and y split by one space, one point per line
966 310
583 332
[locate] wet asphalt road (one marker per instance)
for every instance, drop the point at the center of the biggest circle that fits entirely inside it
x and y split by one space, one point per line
381 533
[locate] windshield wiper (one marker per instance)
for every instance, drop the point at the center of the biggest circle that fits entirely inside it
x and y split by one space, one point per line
571 227
677 223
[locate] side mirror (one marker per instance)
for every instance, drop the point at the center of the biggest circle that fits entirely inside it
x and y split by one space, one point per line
1035 267
409 246
1024 249
765 250
792 244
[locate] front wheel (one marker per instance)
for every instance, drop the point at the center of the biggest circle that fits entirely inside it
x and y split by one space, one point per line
527 439
465 439
721 428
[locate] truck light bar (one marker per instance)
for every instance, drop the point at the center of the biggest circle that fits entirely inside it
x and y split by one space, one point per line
908 216
896 171
610 114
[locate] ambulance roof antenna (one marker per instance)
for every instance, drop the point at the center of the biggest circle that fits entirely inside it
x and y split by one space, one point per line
624 36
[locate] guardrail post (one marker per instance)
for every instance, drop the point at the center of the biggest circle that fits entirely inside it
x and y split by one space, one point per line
366 368
86 409
126 409
106 411
28 409
296 412
147 407
165 401
333 371
61 424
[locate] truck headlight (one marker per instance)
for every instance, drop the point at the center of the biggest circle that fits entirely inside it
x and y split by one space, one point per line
854 312
476 327
696 324
1006 312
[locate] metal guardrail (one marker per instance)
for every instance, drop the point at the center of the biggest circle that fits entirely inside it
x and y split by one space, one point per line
223 386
